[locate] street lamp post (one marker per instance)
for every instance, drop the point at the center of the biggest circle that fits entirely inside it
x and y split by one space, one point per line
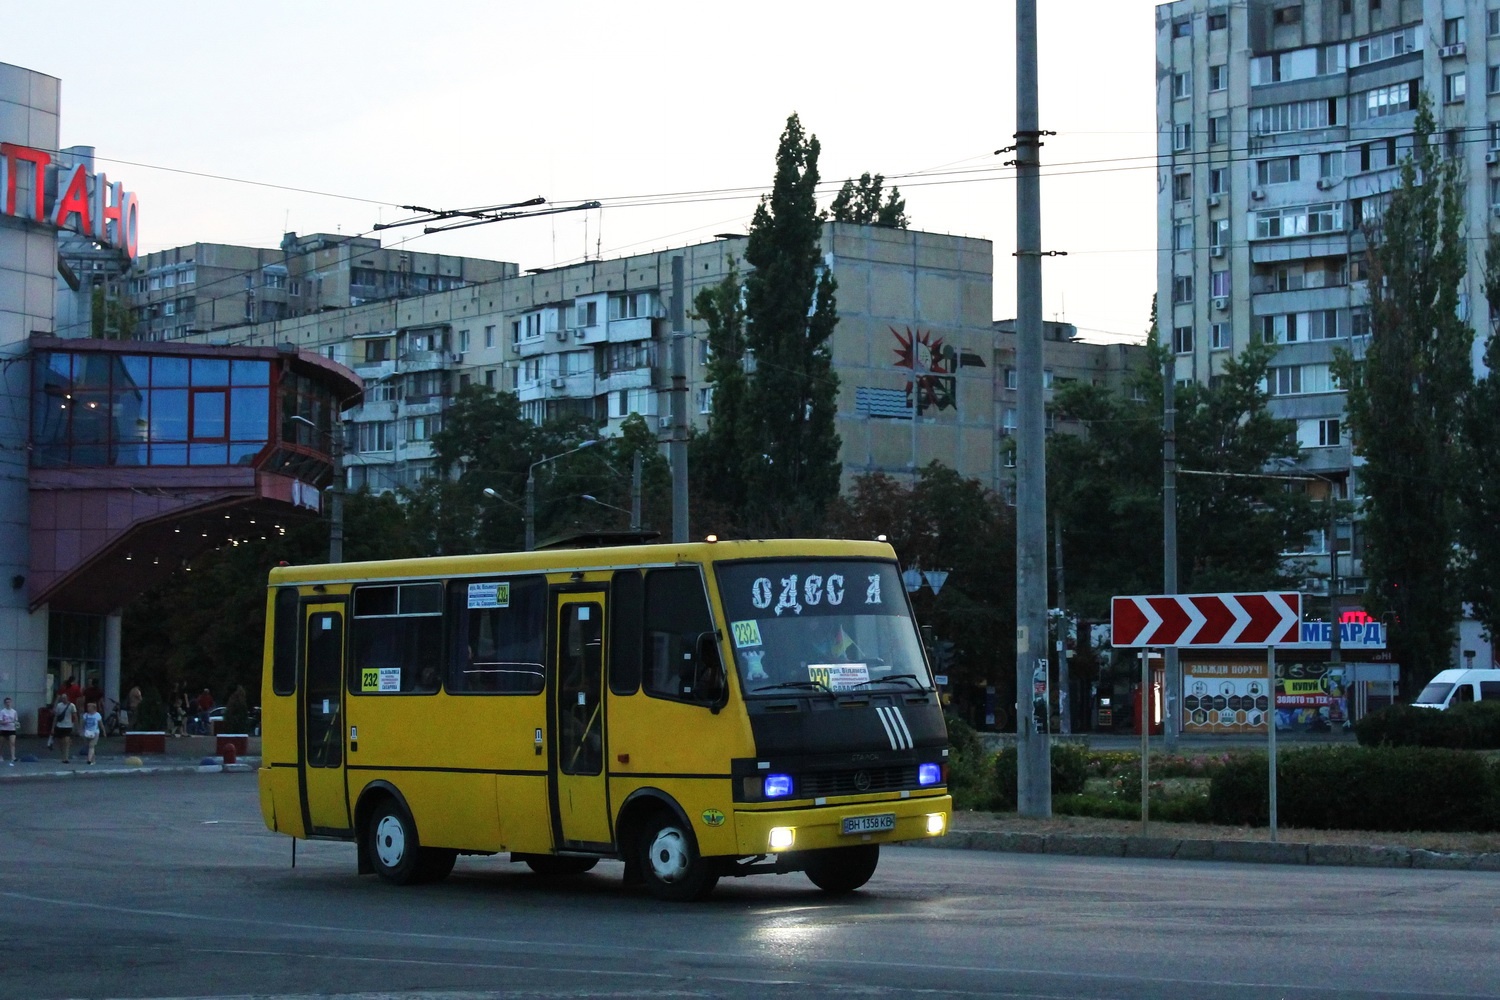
635 515
530 513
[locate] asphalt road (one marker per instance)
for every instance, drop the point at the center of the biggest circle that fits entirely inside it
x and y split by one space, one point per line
169 886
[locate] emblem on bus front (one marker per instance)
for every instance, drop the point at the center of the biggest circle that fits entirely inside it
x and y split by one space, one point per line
862 781
712 817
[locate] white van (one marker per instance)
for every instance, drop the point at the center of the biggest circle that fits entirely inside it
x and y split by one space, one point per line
1454 687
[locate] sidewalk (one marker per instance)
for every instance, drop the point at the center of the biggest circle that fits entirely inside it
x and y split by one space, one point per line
183 754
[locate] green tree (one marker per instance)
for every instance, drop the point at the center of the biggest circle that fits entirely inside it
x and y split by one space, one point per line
110 318
717 455
948 522
791 450
860 202
1480 497
1106 485
1405 400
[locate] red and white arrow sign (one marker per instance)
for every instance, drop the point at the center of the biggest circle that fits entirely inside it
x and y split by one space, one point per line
1206 620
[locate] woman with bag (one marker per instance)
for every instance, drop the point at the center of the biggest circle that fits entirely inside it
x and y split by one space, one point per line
64 714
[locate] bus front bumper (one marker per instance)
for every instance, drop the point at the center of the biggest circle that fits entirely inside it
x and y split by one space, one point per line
811 828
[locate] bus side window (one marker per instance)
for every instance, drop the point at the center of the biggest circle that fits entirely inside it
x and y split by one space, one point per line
498 634
626 600
284 642
396 635
676 614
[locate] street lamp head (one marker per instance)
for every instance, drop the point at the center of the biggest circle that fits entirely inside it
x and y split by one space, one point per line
491 493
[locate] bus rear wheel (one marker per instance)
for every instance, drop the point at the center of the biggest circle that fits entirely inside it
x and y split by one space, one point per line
670 864
840 870
393 846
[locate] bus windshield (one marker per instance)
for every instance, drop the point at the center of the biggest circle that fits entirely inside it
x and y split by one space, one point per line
824 625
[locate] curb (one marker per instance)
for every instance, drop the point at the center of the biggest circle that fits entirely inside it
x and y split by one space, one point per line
1241 851
120 770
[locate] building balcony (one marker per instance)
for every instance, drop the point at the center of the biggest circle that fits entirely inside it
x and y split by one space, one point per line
625 330
634 378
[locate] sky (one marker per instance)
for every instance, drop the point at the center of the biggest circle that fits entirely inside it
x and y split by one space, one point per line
235 123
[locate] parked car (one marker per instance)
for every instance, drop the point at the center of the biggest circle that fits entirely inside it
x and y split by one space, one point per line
216 719
1454 687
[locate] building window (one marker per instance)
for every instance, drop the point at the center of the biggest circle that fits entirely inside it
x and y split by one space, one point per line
489 378
1219 337
1218 180
1218 129
489 337
1182 288
1453 31
1383 101
1282 170
1328 433
1359 322
1330 164
1219 236
1492 23
1182 85
706 399
1454 85
1218 77
1299 221
1182 137
1492 85
1182 340
463 341
1182 29
1010 379
1287 15
1295 116
1219 284
1182 187
1218 22
1182 235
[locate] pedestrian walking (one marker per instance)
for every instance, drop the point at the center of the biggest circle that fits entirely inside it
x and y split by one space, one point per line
93 728
205 705
64 715
9 721
132 705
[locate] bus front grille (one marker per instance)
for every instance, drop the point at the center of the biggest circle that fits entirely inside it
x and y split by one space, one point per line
858 781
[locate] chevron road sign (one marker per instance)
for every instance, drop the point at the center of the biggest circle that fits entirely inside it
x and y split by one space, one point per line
1218 621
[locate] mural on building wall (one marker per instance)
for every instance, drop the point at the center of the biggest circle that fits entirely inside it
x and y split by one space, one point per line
933 384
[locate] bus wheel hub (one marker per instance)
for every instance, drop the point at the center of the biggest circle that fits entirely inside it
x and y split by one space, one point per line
390 841
669 855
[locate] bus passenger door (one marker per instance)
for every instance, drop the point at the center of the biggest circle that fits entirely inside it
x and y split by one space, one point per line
580 803
325 802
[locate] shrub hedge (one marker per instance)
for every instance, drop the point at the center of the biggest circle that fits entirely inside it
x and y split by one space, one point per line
1472 726
1070 769
1388 788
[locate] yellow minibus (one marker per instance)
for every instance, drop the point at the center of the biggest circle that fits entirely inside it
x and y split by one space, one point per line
695 710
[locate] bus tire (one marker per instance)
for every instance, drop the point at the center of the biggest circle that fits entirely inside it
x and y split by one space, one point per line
393 847
551 865
670 864
838 871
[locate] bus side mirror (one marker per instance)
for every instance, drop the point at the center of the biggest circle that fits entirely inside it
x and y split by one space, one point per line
712 684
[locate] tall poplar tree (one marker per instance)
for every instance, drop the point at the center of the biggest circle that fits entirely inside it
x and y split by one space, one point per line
1480 497
1405 403
789 447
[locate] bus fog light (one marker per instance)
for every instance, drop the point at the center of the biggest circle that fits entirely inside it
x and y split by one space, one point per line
936 822
782 837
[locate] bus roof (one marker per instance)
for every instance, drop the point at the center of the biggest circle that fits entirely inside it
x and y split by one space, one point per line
564 560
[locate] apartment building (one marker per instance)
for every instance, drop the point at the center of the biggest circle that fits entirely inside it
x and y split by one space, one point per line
1281 127
913 350
208 286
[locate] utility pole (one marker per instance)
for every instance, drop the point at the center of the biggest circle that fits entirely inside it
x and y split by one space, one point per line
678 448
336 494
1172 670
1065 724
1033 751
635 491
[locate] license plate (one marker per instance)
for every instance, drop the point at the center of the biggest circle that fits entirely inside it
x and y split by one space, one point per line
869 824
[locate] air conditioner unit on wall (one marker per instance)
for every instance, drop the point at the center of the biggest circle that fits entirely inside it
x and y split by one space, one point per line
1451 51
1493 156
1213 201
578 334
1216 251
1221 302
1324 183
559 382
562 335
1258 194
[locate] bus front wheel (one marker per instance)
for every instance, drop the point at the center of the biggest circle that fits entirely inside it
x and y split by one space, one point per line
841 870
670 863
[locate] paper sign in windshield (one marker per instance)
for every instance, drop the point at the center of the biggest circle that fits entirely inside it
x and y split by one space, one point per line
746 633
838 676
489 595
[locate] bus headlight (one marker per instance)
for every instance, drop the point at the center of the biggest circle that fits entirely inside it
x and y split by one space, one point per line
782 837
929 774
936 822
777 786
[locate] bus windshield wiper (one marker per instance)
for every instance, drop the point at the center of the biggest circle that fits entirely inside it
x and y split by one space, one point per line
813 685
916 681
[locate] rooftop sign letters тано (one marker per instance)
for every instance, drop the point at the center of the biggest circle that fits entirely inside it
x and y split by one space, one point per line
67 197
